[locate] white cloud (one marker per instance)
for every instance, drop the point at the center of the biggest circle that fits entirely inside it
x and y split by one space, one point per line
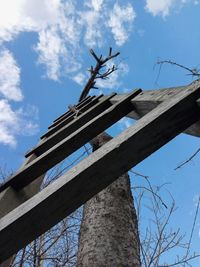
21 15
50 48
161 7
120 22
79 78
124 123
92 22
164 7
95 4
13 123
63 26
9 77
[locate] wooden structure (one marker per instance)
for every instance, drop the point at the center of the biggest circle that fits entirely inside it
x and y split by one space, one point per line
26 213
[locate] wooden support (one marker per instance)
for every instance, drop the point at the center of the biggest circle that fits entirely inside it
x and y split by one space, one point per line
150 99
100 169
71 143
72 126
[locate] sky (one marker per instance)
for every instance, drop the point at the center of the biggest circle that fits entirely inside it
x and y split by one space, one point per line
44 57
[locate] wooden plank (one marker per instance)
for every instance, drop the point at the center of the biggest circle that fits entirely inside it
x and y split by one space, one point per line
72 127
55 127
88 98
149 99
71 143
100 169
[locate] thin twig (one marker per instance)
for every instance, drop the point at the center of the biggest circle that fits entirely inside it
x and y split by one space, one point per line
188 160
193 226
193 72
154 193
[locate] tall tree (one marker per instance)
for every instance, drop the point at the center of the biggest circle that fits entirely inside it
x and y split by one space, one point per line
109 228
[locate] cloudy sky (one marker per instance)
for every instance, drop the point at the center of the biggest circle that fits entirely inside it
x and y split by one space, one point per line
44 58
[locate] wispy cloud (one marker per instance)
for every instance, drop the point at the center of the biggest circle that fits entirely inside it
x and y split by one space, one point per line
161 7
79 78
120 22
64 26
124 123
9 77
13 123
18 122
164 7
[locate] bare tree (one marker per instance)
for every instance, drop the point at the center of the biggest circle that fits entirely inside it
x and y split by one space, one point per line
109 228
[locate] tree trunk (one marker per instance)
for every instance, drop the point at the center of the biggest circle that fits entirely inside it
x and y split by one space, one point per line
109 228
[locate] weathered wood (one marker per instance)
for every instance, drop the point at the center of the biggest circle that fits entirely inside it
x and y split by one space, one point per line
59 124
149 99
100 169
10 199
87 99
72 127
71 143
85 104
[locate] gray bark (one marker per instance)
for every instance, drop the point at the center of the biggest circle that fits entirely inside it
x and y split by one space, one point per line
109 228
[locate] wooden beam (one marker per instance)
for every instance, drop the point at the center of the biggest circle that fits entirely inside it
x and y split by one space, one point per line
71 143
72 126
149 99
100 169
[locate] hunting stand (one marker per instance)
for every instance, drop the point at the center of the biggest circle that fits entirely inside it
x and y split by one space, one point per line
26 213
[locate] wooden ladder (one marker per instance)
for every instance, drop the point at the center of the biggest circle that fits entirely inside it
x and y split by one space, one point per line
26 212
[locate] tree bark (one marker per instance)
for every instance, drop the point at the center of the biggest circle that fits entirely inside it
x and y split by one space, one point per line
109 228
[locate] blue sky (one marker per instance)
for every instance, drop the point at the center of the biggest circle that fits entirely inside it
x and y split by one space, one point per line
43 64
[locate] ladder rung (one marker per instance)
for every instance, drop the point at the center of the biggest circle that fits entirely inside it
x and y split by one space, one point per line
72 127
54 128
84 100
70 113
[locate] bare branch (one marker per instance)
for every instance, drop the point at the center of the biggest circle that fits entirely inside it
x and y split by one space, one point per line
95 72
193 226
193 72
188 160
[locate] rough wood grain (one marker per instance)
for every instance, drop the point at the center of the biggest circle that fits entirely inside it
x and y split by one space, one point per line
149 99
100 169
71 143
10 199
72 126
59 124
86 100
